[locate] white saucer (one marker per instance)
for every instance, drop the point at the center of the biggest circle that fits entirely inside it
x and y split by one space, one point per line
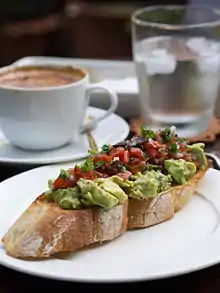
111 130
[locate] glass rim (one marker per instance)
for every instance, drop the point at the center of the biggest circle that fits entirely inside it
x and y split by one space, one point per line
146 23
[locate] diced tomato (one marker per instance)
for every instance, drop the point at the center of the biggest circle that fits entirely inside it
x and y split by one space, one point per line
148 146
124 175
137 168
136 153
126 157
145 145
137 165
153 143
101 158
89 175
122 154
152 152
73 171
117 152
134 161
162 147
59 183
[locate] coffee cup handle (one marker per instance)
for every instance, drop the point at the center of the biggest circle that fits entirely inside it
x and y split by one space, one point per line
113 100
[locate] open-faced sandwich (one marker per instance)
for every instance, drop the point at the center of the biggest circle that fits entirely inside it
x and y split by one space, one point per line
134 184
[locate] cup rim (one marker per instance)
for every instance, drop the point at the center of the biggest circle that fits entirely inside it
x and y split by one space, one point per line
41 89
167 26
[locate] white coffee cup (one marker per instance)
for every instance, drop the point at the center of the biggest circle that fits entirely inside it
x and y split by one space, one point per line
43 118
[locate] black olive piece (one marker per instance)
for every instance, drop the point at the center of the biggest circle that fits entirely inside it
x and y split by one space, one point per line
120 144
134 141
137 140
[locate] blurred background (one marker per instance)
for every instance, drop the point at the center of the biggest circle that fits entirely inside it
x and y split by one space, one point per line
68 28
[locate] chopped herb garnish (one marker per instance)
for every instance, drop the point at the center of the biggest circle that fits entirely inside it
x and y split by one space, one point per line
123 169
77 167
50 184
145 155
88 165
64 174
166 134
147 133
106 148
98 164
172 147
181 139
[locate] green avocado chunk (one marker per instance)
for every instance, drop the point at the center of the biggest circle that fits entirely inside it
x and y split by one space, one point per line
144 187
91 192
68 198
108 192
197 152
180 170
114 185
164 181
149 185
135 177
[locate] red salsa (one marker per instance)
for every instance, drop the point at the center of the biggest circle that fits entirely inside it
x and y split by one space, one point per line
139 154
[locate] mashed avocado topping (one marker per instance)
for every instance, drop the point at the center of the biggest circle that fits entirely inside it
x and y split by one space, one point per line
95 194
108 192
114 185
149 184
140 168
68 198
180 170
198 155
102 192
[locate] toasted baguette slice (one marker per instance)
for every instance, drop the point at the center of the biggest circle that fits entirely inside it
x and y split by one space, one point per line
151 211
45 229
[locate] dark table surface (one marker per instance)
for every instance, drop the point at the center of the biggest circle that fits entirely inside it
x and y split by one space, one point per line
204 281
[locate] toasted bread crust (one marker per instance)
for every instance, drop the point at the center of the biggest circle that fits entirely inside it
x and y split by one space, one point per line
148 212
45 229
152 211
183 193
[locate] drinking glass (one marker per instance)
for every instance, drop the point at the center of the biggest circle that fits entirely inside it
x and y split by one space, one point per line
176 50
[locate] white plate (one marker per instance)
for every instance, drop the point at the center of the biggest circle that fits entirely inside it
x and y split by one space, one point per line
190 241
111 130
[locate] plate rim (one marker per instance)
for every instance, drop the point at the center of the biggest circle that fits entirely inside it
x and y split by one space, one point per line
207 260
